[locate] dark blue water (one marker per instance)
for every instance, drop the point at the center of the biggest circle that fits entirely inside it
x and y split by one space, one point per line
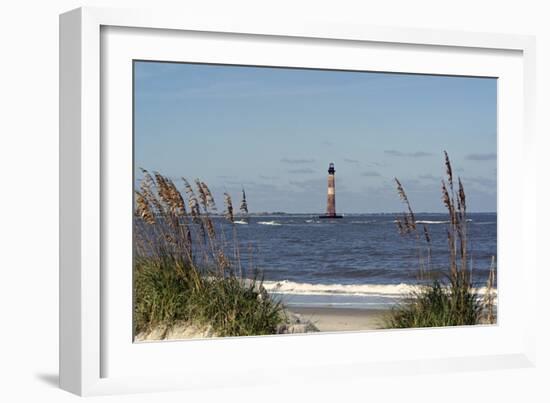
359 249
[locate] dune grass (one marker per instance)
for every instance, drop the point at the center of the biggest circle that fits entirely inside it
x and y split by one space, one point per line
187 269
437 305
453 302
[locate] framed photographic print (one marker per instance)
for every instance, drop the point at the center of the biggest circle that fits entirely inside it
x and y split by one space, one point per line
230 192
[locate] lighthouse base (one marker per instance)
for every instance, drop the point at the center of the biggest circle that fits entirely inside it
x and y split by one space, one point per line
331 216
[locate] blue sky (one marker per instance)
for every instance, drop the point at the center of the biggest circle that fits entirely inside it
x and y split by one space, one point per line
275 130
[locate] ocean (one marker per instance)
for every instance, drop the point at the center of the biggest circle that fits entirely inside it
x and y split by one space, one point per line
359 261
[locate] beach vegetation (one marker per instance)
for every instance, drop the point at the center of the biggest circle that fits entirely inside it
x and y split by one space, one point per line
187 265
453 300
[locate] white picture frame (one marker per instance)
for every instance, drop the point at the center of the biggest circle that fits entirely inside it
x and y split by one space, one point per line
96 354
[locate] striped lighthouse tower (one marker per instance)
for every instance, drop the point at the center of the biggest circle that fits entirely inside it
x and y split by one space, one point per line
331 194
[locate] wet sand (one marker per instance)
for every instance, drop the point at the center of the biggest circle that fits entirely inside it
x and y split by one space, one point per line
342 319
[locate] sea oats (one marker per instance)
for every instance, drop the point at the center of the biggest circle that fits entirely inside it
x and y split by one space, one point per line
426 233
202 194
228 207
210 202
449 170
143 209
411 220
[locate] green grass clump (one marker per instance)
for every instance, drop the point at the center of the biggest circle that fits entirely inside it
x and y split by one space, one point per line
229 305
160 295
437 305
234 307
186 271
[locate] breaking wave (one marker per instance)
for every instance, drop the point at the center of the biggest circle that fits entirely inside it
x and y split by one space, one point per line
290 287
437 222
269 223
385 290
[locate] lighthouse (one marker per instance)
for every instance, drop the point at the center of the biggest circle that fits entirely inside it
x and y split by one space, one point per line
331 194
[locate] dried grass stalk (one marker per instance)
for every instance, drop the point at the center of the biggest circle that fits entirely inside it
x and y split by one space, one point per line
455 203
410 220
228 208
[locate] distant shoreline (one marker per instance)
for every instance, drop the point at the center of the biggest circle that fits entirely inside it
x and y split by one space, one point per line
281 213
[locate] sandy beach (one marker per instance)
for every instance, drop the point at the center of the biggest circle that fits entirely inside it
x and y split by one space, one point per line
342 319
